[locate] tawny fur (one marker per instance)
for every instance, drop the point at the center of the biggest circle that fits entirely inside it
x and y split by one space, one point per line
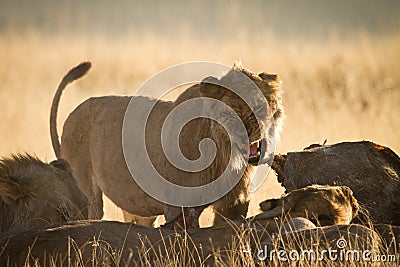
92 143
35 194
322 204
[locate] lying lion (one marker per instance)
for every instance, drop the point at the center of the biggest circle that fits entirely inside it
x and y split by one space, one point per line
92 143
322 204
35 194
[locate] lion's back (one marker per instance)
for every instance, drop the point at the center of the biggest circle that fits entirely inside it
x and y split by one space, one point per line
94 120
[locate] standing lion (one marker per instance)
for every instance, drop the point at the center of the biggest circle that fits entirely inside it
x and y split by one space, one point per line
92 143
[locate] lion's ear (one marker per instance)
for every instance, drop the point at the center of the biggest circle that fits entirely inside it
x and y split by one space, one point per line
274 77
209 87
269 204
62 165
11 192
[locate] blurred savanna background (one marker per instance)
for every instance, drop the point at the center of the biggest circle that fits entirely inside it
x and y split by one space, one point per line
339 61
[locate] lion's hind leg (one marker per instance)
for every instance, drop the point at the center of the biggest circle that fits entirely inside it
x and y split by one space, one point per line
96 202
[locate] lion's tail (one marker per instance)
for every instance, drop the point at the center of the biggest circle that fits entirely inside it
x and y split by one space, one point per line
71 76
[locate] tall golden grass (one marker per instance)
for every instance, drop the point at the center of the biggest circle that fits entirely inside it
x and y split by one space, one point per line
335 89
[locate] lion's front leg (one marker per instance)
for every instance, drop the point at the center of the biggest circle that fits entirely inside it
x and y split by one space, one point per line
181 218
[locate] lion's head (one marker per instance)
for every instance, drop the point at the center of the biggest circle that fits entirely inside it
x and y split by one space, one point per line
260 112
322 204
35 194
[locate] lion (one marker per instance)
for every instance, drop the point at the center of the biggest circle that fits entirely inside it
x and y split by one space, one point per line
35 194
321 204
92 143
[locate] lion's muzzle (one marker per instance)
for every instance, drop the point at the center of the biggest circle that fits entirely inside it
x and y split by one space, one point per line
255 152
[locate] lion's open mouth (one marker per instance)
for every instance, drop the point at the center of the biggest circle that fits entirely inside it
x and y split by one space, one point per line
253 151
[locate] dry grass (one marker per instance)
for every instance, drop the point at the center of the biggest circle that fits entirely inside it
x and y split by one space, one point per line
180 250
335 89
